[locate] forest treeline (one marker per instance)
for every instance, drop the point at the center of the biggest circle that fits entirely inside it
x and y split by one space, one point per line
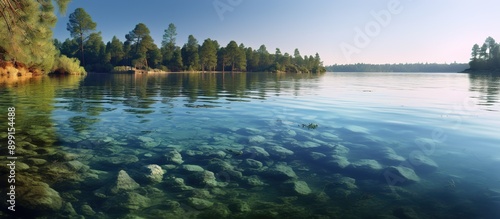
485 57
406 67
138 50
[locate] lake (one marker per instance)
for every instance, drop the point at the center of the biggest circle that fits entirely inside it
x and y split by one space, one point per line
254 145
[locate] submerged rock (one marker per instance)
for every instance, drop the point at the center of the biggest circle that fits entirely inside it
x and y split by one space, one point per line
366 167
173 157
339 150
401 174
218 165
357 129
199 203
204 178
87 210
256 139
300 187
255 152
154 173
118 160
306 144
124 183
279 151
316 156
344 182
192 168
38 197
251 163
330 137
338 162
128 201
36 161
253 181
239 206
423 164
389 156
280 172
249 131
148 142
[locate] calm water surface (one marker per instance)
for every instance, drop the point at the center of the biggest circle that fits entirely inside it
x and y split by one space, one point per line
256 145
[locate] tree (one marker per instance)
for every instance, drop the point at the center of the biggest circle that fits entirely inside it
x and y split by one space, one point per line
177 60
490 42
141 42
252 59
231 54
241 58
69 48
169 36
115 50
190 56
475 52
297 57
26 33
168 44
264 58
154 56
483 52
486 57
95 53
208 55
80 26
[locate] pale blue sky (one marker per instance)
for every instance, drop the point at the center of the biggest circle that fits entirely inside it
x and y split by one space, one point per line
422 31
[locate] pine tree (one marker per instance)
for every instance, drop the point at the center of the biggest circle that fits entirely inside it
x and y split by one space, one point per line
80 26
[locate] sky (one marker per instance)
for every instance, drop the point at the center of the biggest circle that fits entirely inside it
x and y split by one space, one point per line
341 31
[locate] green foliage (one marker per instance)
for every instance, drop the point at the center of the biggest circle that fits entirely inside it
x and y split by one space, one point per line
140 51
177 60
169 35
190 54
115 51
80 27
208 55
142 47
232 53
26 33
486 57
67 65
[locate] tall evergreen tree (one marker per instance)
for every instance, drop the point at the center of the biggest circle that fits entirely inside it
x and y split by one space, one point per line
264 58
241 58
191 57
176 64
231 53
115 50
168 44
80 26
141 43
208 55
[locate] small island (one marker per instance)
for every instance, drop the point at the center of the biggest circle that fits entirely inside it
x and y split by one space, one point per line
485 59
